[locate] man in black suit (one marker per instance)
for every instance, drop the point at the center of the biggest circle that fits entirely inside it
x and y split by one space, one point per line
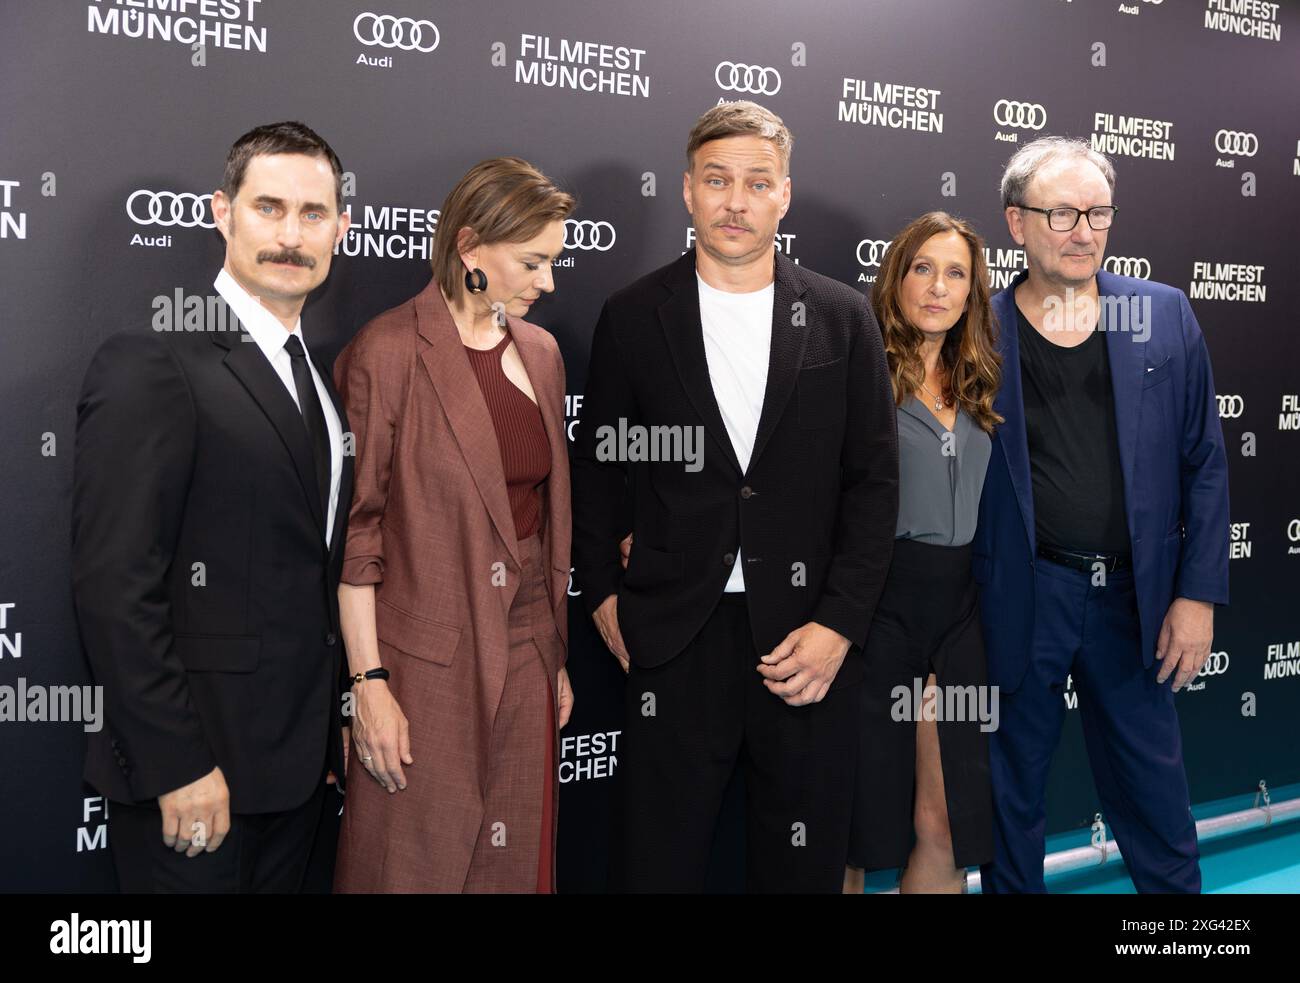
210 503
739 420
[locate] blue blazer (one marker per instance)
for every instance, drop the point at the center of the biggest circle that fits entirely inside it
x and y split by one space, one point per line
1172 456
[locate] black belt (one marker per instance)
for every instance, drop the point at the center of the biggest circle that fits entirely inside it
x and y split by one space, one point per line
1086 562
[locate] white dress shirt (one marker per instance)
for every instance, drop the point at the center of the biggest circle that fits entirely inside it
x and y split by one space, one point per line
737 346
270 336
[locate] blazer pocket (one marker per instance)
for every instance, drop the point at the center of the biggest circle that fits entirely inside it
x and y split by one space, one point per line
650 566
431 641
1156 374
821 394
218 653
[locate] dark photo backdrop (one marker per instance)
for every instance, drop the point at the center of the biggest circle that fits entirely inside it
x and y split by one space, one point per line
118 113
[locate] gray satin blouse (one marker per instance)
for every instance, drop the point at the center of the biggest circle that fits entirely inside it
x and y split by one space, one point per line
939 481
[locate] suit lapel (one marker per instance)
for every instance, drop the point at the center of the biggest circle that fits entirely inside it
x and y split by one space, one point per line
467 413
1126 372
1010 403
345 474
245 359
680 317
789 334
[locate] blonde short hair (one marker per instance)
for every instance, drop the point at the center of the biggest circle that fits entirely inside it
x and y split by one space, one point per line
502 199
742 118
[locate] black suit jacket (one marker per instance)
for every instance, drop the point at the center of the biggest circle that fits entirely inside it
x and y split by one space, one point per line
206 597
815 513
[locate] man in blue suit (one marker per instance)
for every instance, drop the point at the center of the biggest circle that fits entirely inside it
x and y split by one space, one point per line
1102 544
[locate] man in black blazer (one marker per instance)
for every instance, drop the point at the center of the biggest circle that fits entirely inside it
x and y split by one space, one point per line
739 421
210 503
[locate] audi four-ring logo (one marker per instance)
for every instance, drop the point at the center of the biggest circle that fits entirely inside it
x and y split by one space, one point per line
747 78
1293 530
1235 142
875 251
1231 407
1215 665
186 210
1138 266
1026 115
402 33
588 235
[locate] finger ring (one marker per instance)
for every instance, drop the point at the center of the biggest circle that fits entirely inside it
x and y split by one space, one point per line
366 757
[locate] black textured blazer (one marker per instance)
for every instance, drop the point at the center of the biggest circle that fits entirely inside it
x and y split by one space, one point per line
813 517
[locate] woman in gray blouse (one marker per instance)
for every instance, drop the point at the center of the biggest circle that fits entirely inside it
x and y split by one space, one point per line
923 802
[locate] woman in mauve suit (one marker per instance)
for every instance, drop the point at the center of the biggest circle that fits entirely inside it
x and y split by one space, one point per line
456 568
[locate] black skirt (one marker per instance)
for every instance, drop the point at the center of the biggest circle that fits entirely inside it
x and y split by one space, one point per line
927 621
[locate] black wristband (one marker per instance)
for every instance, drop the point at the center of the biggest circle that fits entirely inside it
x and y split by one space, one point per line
380 673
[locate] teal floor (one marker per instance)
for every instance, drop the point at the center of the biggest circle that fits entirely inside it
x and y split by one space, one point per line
1258 862
1263 861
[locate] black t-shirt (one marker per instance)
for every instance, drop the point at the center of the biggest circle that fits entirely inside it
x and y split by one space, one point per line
1073 448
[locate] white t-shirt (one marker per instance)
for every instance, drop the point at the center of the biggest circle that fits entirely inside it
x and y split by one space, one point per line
737 345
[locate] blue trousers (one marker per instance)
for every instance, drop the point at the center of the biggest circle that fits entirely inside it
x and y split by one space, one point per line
1130 727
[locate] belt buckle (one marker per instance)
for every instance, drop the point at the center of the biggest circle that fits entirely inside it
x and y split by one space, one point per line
1111 562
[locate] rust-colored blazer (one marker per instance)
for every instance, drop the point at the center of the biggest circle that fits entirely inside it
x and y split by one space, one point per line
431 528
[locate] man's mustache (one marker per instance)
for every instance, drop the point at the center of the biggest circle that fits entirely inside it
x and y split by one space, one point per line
287 256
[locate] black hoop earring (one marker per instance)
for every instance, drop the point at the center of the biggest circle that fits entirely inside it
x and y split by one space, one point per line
476 280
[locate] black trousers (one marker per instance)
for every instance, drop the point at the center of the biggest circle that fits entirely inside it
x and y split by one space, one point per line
262 853
927 621
690 723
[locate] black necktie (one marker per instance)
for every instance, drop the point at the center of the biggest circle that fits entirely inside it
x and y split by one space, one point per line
313 418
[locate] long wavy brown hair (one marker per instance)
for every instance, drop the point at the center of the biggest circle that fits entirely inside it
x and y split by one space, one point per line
972 365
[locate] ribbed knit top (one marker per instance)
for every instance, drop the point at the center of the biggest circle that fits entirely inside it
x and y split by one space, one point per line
521 435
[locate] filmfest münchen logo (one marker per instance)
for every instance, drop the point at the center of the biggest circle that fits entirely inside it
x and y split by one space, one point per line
587 66
389 231
1239 541
197 24
784 242
13 223
890 104
1004 265
1133 136
1241 282
1288 418
1248 18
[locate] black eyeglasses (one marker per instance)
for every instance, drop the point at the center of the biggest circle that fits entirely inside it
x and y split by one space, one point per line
1064 219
